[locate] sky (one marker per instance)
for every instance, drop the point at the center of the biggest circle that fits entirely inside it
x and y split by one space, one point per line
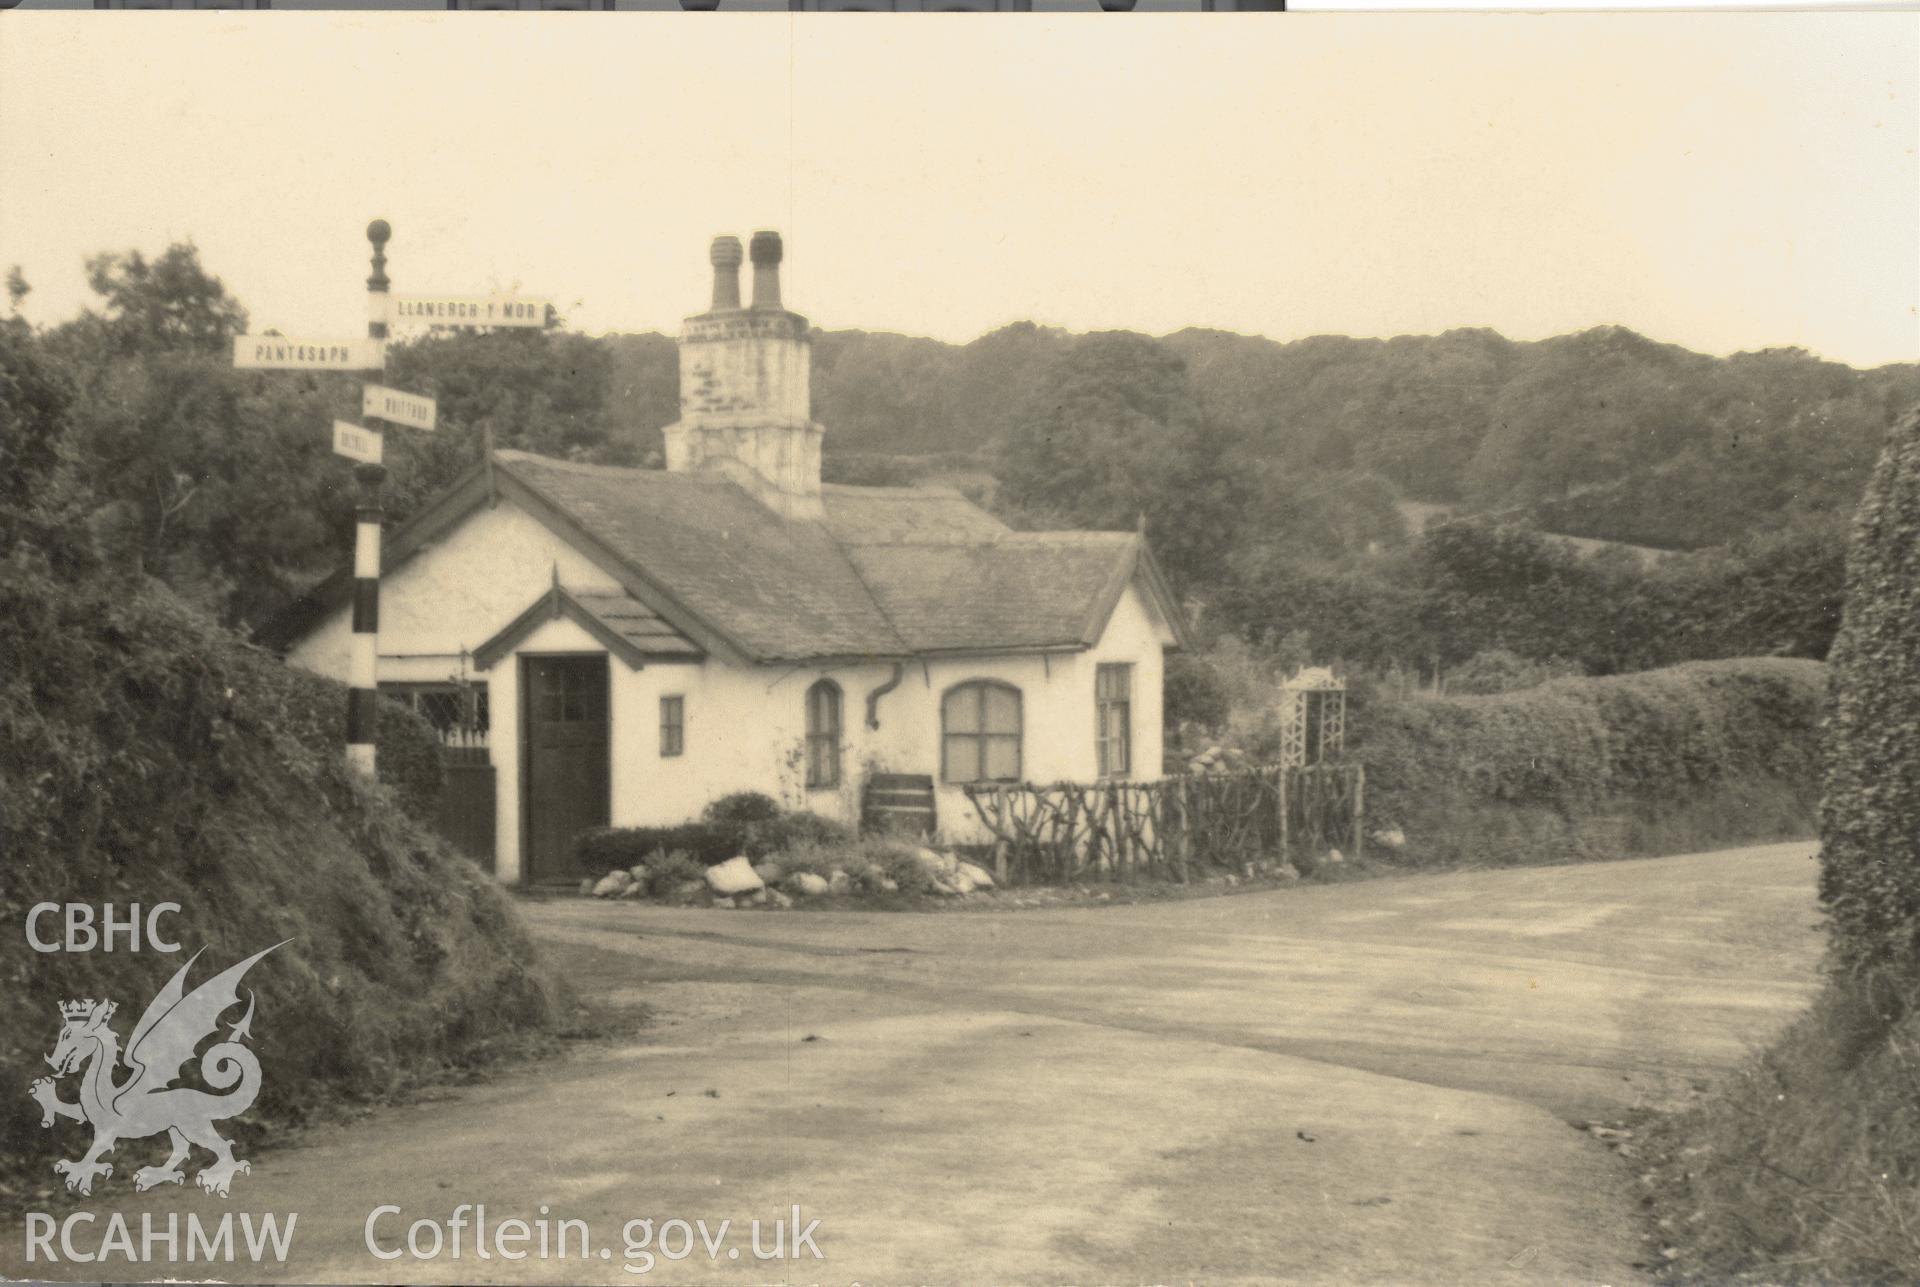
1726 182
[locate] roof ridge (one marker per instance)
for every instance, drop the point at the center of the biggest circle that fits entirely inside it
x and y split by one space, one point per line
514 454
1064 535
905 489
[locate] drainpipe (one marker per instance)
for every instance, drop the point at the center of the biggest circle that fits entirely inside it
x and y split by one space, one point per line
873 698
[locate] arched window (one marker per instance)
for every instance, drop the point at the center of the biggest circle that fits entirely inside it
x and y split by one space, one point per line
980 732
823 735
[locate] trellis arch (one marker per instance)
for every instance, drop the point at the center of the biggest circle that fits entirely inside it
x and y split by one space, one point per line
1313 718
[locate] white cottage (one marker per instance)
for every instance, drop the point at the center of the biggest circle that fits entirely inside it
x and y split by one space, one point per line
640 642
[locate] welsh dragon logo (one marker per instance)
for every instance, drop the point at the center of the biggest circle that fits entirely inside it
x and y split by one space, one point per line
145 1102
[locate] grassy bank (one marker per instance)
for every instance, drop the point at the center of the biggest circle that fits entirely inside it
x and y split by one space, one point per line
1690 757
150 757
1801 1167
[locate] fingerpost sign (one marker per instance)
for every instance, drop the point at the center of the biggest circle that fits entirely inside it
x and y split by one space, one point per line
414 410
356 442
365 445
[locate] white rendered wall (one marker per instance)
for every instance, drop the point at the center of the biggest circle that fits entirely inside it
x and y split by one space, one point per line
744 727
455 596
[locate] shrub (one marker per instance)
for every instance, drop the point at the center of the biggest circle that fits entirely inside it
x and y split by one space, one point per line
901 862
750 823
814 859
866 859
406 749
1194 693
794 830
1247 680
668 868
602 849
742 808
742 826
1496 670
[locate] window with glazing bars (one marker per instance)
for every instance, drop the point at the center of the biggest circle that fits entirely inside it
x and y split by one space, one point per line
980 733
823 735
673 725
457 710
1113 718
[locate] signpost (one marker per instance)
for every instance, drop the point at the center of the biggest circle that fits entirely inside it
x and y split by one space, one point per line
363 657
411 409
365 444
471 310
283 353
356 443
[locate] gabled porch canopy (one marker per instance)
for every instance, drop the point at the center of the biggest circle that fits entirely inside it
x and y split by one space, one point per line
630 630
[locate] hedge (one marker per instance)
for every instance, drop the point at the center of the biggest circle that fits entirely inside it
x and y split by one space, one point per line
1691 756
1870 818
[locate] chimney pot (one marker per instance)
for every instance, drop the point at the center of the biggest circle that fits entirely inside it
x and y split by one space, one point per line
725 257
767 253
746 407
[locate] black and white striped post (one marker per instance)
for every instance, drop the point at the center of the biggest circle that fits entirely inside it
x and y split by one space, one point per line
364 660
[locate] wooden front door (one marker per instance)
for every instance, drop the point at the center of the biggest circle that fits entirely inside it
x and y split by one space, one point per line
567 788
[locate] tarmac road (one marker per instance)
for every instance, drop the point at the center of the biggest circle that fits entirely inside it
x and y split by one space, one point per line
1369 1082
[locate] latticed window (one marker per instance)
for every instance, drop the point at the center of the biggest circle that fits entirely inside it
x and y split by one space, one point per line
980 733
457 711
823 735
673 725
1113 718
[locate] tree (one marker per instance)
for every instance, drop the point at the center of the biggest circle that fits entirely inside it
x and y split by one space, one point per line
167 304
216 481
1583 411
1114 439
643 392
1485 586
538 390
42 504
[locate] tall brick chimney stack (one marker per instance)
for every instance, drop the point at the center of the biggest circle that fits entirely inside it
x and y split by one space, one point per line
746 387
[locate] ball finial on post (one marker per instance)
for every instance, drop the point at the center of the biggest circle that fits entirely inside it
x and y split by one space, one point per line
378 233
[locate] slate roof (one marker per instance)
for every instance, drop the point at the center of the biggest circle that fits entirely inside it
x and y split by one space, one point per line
639 625
628 627
775 588
1045 589
892 572
905 516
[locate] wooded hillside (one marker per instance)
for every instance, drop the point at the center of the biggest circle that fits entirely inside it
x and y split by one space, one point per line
1604 433
1273 479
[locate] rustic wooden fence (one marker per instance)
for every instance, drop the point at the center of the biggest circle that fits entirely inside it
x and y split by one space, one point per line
1173 828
